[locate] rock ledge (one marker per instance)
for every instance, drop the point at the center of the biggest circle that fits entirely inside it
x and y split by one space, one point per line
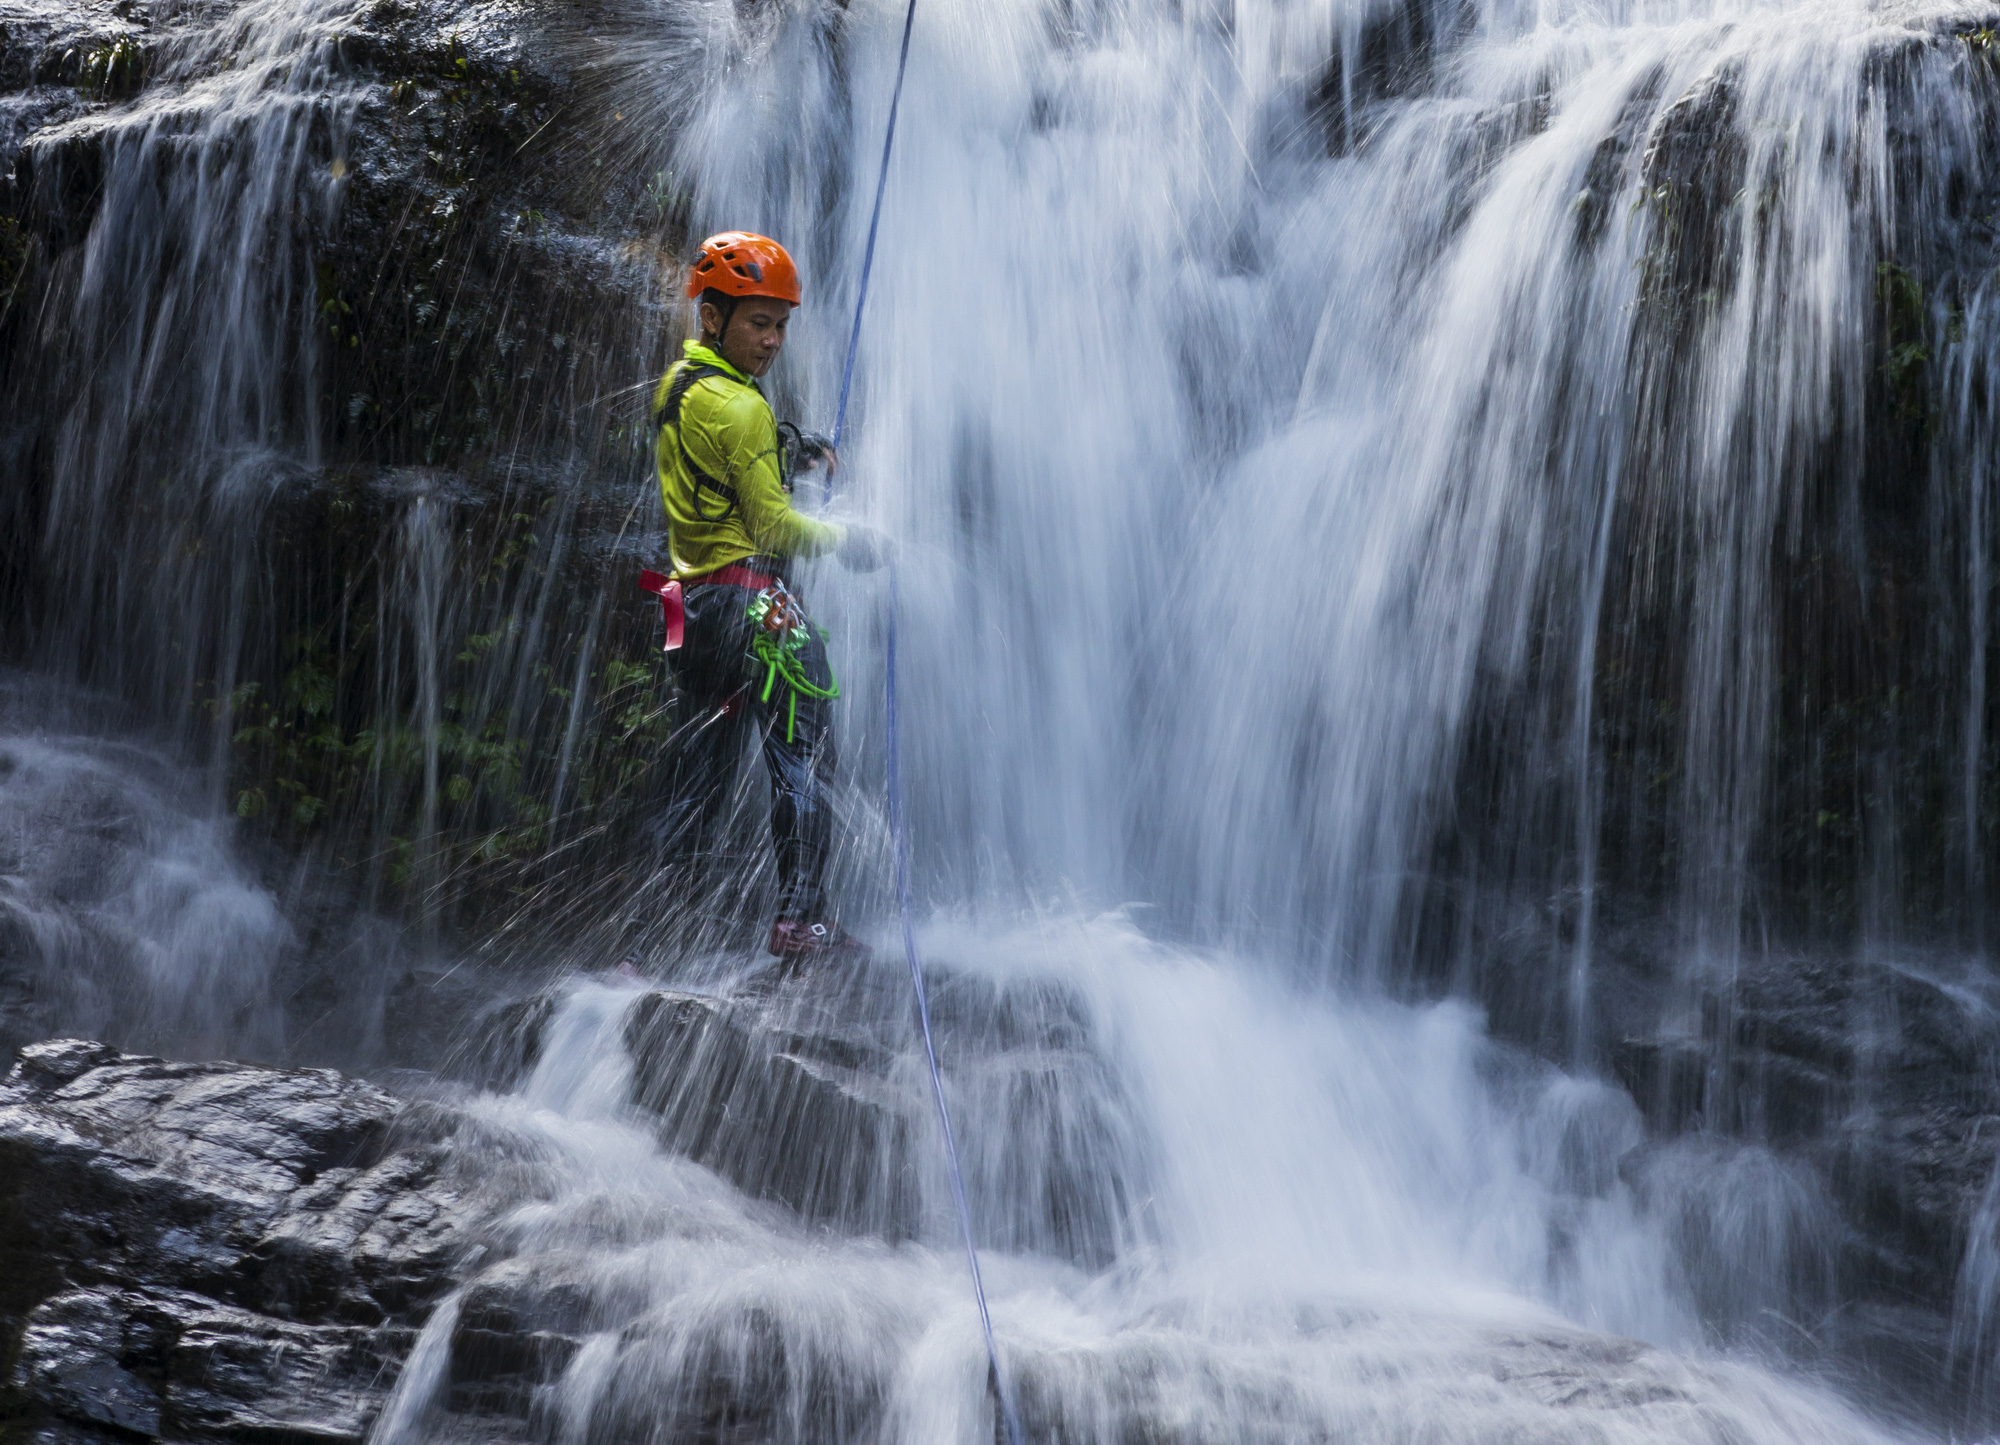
211 1251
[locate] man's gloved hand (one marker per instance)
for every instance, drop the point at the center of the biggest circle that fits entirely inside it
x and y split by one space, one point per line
814 449
801 452
864 549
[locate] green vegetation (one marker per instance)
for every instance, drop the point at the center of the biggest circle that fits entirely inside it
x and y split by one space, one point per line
470 761
484 785
1905 337
110 71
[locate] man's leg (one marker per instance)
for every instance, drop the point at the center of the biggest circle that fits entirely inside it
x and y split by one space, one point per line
799 756
708 721
698 776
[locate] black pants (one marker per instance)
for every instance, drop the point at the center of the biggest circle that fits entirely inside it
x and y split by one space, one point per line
715 672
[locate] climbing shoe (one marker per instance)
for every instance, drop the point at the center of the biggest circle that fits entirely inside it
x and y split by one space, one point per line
794 938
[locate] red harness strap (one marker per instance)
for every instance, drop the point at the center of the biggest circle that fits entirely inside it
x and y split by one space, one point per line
669 591
671 612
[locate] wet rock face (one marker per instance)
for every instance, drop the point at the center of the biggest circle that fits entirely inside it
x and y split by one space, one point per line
178 1365
1878 1077
725 1092
1839 1117
219 1251
813 1094
518 1326
821 1103
447 288
211 1251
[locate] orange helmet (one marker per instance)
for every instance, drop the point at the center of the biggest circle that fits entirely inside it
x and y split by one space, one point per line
738 263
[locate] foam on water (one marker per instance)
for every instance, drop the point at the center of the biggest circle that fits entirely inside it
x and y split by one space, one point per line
124 911
1367 1224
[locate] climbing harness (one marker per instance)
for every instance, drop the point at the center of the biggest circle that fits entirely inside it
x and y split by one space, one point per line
779 632
898 824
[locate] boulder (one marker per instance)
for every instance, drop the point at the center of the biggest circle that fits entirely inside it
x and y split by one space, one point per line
214 1250
726 1086
835 1076
177 1365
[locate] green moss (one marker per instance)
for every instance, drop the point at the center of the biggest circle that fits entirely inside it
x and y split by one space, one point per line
1905 337
111 71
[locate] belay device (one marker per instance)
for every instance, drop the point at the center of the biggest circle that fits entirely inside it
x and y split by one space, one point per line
779 633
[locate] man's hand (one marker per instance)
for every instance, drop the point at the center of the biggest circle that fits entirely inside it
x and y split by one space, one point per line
817 449
864 549
812 449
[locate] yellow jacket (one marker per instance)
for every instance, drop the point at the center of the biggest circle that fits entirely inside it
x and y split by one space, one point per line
718 466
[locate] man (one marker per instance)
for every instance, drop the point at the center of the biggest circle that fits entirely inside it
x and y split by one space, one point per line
750 652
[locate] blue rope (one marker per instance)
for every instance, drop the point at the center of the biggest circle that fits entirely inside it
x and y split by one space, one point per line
874 226
899 832
898 826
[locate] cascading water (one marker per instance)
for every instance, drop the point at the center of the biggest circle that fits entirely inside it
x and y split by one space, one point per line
183 331
1438 386
123 911
1237 483
1358 1222
1373 484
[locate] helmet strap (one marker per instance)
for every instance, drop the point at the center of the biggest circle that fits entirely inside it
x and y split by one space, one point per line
727 306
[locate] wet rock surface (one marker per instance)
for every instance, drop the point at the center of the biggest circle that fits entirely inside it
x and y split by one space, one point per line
465 278
220 1251
811 1093
181 1366
730 1079
1859 1102
1880 1076
215 1250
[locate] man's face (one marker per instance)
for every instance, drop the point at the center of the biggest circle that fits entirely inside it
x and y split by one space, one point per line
756 332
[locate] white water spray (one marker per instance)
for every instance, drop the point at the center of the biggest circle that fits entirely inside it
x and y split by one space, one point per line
1362 1222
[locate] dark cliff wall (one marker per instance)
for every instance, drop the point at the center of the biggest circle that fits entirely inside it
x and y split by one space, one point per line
383 577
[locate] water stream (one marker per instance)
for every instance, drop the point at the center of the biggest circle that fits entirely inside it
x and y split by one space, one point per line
1349 1221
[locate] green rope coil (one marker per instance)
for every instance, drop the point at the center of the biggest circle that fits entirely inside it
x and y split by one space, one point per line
778 654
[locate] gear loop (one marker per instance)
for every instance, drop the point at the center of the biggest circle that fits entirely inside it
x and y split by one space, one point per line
779 634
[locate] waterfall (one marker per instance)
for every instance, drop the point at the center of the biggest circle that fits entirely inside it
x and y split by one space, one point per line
1446 570
1352 1221
184 384
1350 460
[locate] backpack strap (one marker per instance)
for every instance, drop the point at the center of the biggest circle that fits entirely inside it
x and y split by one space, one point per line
669 414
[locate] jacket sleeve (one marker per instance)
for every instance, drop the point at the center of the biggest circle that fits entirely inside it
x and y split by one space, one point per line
742 441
